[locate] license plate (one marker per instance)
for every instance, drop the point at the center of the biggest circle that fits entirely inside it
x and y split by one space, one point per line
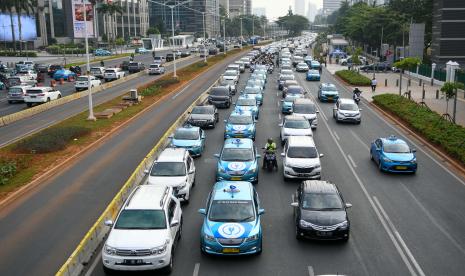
231 250
236 178
239 135
302 174
401 167
133 262
324 234
330 98
33 96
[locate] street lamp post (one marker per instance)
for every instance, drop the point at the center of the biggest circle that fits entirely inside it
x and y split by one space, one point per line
224 36
91 116
241 33
204 39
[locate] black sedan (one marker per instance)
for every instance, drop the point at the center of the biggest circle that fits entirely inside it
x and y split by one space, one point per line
203 116
320 212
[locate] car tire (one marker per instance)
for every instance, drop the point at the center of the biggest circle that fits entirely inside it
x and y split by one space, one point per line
297 234
107 271
59 96
10 102
346 239
169 268
380 166
48 100
371 156
29 104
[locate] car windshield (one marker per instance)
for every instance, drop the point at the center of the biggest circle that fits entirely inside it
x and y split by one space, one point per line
202 110
81 79
230 73
302 152
286 72
168 169
15 90
396 148
183 134
240 120
304 108
246 102
141 219
251 90
294 90
235 154
95 70
133 64
349 106
154 66
315 72
227 82
302 65
231 211
321 201
287 77
109 71
34 91
297 124
329 88
219 92
290 98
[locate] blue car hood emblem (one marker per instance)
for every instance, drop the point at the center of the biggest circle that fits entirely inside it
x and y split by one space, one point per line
231 230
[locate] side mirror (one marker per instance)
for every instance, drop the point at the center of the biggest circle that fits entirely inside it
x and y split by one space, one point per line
281 125
191 171
217 155
261 212
295 204
146 171
283 154
334 108
360 109
171 136
321 155
109 223
174 223
413 150
225 121
317 111
259 156
202 211
348 205
282 100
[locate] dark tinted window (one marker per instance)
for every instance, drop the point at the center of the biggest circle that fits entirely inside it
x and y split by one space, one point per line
350 107
321 201
297 124
302 152
141 219
396 148
219 92
240 120
231 154
202 110
183 134
304 108
168 169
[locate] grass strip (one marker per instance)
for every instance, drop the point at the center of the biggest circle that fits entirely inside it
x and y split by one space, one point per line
448 136
353 77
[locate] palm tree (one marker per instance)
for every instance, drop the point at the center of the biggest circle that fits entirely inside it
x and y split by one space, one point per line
27 6
6 6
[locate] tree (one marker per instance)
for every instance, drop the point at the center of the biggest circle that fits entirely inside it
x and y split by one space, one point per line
294 24
406 63
153 30
120 42
27 6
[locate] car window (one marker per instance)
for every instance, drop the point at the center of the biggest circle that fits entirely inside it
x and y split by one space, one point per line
240 120
232 211
349 107
246 102
321 201
171 210
168 169
297 124
329 88
302 152
304 108
378 143
234 154
189 163
141 219
202 110
219 92
396 148
183 134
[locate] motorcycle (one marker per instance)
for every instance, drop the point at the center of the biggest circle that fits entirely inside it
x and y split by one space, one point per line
270 69
356 98
270 160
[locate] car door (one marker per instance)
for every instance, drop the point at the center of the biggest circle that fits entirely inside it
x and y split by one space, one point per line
171 217
377 150
202 137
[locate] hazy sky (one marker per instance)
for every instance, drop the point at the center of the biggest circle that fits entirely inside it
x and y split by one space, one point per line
277 8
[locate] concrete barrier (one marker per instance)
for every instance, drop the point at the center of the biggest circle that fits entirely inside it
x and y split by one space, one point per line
86 249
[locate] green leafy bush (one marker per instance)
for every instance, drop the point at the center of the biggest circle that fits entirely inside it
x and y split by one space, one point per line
17 54
8 169
449 136
353 77
51 140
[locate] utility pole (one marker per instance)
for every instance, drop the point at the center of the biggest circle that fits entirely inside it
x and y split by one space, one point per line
224 36
91 116
172 43
241 33
204 39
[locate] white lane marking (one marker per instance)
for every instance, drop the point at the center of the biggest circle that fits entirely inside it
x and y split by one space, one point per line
310 271
359 140
278 104
335 135
196 269
373 206
279 115
277 94
352 161
27 133
433 220
391 224
180 92
94 264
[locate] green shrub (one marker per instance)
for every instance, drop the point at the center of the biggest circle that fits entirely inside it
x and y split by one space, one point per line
449 136
51 140
150 91
353 78
8 169
18 54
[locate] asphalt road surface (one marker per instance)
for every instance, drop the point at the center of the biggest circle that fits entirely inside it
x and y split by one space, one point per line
68 87
21 128
400 224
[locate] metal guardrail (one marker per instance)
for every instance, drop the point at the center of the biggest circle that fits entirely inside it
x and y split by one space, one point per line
97 233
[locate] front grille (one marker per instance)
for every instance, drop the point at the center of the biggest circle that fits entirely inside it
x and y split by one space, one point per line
325 228
230 241
302 170
236 172
130 252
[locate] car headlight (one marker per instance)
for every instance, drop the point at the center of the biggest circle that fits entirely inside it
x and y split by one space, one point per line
385 159
252 238
221 170
110 250
209 238
343 225
305 224
159 250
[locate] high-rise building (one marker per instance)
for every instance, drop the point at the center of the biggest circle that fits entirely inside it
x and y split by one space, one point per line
225 5
448 41
238 7
188 17
299 7
259 11
312 11
330 6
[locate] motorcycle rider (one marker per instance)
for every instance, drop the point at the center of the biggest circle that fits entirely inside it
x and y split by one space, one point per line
356 95
270 148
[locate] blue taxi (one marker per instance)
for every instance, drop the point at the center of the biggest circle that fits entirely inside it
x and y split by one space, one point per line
238 161
314 65
286 106
313 75
247 103
393 155
192 138
232 220
254 91
240 125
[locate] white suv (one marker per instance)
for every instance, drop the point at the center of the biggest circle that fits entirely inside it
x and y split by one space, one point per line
174 167
294 125
82 82
306 108
113 74
40 95
301 158
156 68
346 110
145 232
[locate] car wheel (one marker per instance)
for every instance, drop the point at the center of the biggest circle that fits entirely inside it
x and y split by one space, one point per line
59 96
380 166
48 99
10 102
371 156
346 239
29 104
297 234
168 269
107 271
180 230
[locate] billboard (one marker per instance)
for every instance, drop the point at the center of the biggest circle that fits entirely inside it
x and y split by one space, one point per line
78 18
28 27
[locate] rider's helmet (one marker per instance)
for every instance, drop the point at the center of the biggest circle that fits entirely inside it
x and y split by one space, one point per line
270 140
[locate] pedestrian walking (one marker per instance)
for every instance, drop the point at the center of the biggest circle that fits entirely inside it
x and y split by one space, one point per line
102 63
374 82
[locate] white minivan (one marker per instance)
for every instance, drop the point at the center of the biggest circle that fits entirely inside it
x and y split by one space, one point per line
301 159
306 108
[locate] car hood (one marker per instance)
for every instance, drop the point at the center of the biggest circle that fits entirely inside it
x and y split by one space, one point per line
323 218
399 156
329 93
246 108
297 132
231 230
185 143
302 162
232 127
201 117
172 181
236 167
308 116
137 239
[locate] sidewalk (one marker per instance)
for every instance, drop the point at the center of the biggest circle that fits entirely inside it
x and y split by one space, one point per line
416 91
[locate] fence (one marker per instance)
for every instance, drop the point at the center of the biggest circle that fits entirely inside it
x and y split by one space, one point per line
425 70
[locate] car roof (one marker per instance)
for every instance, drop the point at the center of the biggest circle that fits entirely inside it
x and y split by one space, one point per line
294 118
172 155
300 141
346 101
222 190
148 196
246 96
242 143
393 140
189 128
318 186
303 101
323 85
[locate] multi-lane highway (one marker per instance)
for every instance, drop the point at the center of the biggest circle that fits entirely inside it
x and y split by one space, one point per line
400 224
